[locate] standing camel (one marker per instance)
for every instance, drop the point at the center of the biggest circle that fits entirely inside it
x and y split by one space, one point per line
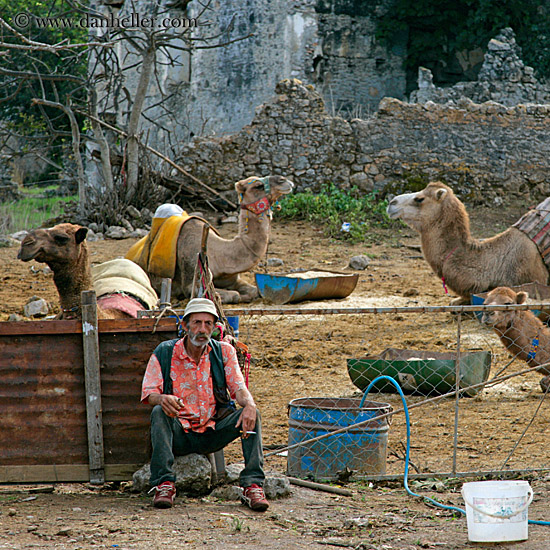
65 250
464 264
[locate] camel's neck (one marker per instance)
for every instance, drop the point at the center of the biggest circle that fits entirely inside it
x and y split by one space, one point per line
71 279
253 236
449 234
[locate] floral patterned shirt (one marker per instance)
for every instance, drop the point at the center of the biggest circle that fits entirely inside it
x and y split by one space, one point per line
193 384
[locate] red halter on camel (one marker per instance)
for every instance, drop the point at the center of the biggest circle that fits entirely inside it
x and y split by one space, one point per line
261 205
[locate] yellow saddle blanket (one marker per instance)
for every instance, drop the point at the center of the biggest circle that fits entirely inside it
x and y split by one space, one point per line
156 253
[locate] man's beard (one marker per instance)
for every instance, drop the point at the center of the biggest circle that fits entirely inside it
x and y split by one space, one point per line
194 339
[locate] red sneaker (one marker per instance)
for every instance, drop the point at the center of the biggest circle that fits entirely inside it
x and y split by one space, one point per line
254 498
164 495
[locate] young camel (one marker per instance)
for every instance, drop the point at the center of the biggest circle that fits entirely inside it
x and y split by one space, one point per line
228 258
467 266
523 334
65 250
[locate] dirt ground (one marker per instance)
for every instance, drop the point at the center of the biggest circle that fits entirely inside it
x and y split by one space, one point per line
294 358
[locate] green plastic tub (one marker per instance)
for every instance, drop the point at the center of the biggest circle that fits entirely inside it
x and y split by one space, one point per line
421 372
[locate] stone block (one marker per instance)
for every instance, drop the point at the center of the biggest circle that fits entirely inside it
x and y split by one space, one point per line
116 232
37 307
359 263
193 475
6 241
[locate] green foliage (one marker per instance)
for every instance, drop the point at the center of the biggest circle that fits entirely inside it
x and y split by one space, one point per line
17 91
33 210
410 183
332 207
438 29
239 525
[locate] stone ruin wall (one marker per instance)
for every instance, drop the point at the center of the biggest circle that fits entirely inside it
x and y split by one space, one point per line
487 152
328 43
503 78
489 139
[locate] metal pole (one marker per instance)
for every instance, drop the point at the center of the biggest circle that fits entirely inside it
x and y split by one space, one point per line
457 388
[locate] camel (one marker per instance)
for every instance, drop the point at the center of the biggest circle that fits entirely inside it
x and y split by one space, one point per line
228 258
466 265
65 250
523 334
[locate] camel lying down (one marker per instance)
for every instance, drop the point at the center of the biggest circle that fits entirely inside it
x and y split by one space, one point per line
122 287
523 334
227 258
464 264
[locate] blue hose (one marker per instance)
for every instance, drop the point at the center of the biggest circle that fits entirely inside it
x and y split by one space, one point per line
407 453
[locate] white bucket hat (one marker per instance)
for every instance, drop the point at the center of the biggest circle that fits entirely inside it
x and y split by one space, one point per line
200 305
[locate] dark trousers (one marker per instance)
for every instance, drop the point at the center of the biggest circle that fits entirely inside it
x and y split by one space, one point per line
169 439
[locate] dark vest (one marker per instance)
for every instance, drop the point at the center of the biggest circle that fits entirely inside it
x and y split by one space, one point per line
224 405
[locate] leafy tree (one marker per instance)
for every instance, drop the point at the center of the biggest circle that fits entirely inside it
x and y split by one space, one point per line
438 29
59 83
59 73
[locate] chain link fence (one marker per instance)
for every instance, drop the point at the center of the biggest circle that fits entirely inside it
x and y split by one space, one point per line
475 407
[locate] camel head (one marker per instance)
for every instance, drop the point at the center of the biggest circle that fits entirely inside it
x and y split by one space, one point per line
61 244
258 195
500 296
423 208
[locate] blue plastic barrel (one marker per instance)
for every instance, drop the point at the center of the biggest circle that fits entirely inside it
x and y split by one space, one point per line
361 449
233 321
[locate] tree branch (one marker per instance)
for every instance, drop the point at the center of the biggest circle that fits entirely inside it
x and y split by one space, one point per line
166 159
41 76
76 146
133 122
102 142
40 46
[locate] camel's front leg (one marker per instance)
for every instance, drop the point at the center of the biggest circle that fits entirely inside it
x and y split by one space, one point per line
248 293
228 296
231 288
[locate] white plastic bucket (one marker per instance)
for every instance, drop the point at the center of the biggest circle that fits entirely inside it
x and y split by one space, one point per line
496 511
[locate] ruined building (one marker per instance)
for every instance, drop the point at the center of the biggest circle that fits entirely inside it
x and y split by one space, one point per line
327 43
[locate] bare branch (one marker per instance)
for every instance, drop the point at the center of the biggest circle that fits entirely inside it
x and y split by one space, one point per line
31 45
14 94
41 76
168 160
102 142
133 122
76 145
208 47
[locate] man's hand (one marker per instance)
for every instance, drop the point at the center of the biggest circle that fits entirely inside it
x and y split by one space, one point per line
171 405
247 420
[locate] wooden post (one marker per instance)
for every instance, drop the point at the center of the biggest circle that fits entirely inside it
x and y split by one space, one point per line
217 463
201 260
90 340
219 459
165 292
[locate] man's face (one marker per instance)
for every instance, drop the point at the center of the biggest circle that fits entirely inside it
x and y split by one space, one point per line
199 328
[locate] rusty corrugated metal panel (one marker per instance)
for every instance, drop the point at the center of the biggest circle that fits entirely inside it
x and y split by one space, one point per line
42 394
43 420
123 359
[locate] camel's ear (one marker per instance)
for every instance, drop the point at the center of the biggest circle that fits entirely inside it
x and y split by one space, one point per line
80 235
440 194
521 297
242 186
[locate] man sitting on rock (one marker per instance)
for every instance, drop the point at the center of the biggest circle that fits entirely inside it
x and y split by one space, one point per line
187 382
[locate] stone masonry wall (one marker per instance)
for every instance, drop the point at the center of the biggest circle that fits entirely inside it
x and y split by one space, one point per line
487 152
214 91
503 78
